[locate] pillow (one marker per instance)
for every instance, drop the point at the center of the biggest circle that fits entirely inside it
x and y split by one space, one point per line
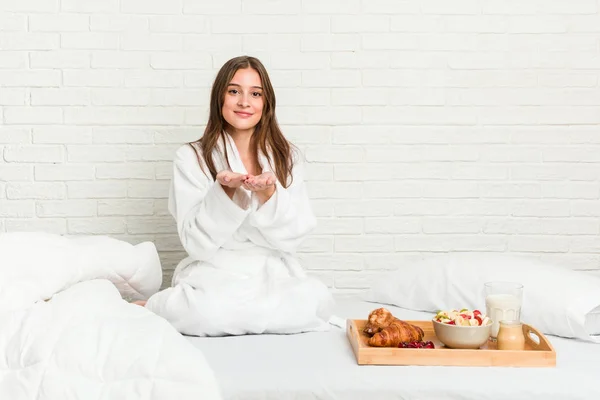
556 300
36 265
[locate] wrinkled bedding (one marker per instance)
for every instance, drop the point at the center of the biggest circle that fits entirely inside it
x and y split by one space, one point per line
66 332
322 366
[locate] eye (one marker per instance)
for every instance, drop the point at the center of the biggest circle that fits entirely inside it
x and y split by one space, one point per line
233 91
256 94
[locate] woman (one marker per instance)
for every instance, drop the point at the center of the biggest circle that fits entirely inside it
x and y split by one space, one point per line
242 210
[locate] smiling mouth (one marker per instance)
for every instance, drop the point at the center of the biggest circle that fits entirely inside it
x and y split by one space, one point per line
243 114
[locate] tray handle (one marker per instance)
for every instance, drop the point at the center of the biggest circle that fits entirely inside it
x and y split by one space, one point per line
352 331
535 339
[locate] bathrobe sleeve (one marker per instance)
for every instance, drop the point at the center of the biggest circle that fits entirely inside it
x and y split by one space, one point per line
206 216
286 219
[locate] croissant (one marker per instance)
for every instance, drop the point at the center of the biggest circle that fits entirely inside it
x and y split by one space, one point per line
378 320
397 332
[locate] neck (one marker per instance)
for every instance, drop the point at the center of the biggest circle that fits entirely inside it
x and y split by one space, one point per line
241 138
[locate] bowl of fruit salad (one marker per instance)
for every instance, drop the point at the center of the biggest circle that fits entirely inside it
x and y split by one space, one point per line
462 329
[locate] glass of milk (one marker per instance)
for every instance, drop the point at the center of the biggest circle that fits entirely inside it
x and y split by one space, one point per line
503 303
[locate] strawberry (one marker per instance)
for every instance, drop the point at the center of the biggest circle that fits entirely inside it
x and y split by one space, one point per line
478 318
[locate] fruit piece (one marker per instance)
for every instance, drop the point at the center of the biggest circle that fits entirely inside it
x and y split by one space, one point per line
464 317
417 345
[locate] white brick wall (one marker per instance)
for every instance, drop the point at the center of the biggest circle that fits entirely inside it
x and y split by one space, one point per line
429 126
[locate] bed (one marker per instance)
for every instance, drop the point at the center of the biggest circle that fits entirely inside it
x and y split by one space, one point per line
321 365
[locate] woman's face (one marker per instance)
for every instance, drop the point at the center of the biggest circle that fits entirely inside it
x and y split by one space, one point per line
243 105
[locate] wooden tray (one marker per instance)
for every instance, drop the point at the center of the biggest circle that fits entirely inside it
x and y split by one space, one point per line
536 354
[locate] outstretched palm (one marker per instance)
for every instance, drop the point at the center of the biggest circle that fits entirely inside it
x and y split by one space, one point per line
231 179
259 183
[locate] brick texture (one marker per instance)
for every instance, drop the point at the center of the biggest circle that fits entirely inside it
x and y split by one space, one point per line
428 127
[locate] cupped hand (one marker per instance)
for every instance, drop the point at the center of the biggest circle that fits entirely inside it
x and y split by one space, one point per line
231 179
260 183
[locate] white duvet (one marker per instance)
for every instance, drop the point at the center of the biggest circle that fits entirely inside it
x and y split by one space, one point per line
66 333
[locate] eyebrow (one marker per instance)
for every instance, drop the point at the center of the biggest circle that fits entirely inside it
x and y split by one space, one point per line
253 87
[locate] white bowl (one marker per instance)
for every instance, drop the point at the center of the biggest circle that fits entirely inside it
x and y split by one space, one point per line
462 337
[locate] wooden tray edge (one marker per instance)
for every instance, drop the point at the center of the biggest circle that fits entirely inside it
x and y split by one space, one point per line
537 357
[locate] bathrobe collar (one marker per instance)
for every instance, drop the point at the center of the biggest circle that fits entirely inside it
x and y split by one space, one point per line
235 160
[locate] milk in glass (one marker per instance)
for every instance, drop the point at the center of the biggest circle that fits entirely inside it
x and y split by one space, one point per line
501 307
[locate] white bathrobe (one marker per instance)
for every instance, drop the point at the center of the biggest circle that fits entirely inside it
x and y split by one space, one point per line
241 276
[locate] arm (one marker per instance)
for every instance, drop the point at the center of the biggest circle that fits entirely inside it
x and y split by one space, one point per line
206 216
286 218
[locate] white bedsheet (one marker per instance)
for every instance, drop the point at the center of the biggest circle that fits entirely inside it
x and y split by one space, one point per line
322 366
85 342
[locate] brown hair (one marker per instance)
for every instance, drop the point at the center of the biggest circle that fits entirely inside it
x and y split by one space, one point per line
267 136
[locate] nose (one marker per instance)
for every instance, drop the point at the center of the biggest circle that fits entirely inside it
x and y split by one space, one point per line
243 100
